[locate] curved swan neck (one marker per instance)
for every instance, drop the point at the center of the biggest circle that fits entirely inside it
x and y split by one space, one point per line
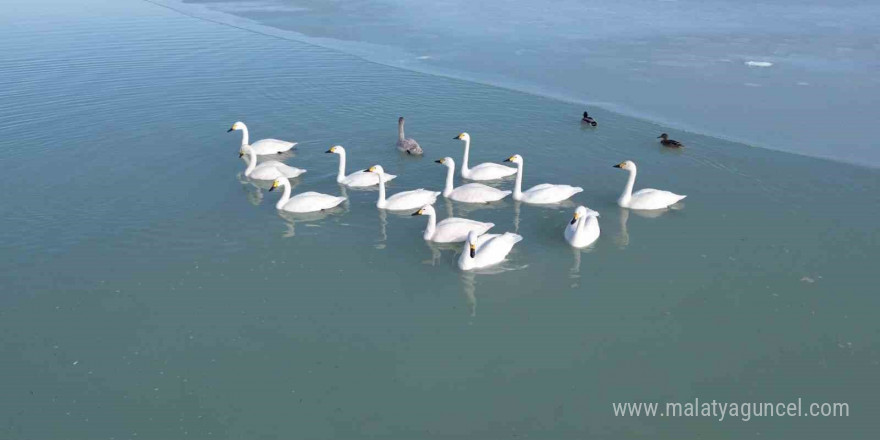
341 175
381 202
628 189
517 188
285 196
400 129
450 173
252 160
432 225
465 261
244 135
464 160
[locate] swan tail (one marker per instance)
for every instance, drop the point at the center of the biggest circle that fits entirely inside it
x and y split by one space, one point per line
515 237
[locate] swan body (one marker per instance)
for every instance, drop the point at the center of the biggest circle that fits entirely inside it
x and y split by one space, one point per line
647 198
470 192
268 170
401 201
583 229
357 179
486 250
304 202
452 229
483 171
408 146
544 193
262 146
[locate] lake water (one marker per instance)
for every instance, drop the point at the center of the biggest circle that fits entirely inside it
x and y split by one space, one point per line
150 291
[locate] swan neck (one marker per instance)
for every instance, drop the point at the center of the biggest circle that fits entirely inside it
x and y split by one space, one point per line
464 160
284 196
341 175
628 189
400 129
432 226
252 161
447 190
381 201
244 136
517 187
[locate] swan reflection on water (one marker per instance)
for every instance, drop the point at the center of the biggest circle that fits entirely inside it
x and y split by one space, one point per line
622 237
469 280
309 218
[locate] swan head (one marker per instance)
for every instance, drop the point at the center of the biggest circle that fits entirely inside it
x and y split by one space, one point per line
446 161
516 158
245 149
472 243
626 165
336 149
580 212
425 210
275 184
663 136
237 126
375 169
463 137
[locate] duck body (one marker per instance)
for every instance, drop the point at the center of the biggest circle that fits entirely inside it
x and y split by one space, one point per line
404 144
470 192
589 120
268 170
357 179
304 202
545 193
402 201
452 229
644 199
262 146
483 171
583 229
671 143
486 250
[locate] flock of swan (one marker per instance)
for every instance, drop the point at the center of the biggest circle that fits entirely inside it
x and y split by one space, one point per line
481 249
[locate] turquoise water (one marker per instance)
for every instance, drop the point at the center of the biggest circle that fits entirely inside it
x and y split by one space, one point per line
150 291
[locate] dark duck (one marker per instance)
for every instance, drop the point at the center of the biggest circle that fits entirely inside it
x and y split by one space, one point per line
588 120
671 143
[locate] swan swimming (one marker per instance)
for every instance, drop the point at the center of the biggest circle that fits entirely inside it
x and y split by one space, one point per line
262 146
408 146
470 192
268 170
483 171
405 200
647 198
486 250
452 229
583 229
357 179
544 193
304 202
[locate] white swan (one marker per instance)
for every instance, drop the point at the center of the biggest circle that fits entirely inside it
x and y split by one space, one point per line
304 202
452 229
268 170
470 192
647 198
405 200
357 179
583 229
262 146
539 194
486 250
483 171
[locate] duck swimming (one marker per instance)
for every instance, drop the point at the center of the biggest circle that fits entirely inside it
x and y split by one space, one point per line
587 119
671 143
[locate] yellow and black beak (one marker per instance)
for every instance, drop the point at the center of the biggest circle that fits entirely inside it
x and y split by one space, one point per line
509 159
574 219
230 129
274 185
473 250
620 165
329 151
419 212
439 161
240 154
458 137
